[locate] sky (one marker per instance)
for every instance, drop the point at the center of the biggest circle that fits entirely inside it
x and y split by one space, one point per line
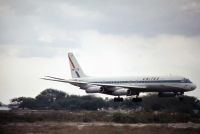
108 37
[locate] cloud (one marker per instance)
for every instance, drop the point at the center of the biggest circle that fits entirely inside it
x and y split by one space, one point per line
40 25
140 51
128 17
145 17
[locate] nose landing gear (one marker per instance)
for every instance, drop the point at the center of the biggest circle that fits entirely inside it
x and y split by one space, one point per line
180 96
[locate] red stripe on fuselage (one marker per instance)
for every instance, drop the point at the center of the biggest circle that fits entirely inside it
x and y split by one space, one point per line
71 62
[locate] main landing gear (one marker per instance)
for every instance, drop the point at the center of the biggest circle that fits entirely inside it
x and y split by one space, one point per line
137 99
119 99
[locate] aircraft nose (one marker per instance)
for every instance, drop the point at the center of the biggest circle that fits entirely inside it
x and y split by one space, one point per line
194 86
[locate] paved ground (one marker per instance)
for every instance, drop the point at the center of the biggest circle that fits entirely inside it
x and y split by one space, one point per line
98 128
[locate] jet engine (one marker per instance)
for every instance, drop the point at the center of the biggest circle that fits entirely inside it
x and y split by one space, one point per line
121 91
94 89
166 94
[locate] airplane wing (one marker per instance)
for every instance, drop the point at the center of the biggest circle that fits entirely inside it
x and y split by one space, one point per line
115 85
63 80
81 83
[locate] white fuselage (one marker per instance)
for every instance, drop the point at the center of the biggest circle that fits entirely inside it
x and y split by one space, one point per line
153 84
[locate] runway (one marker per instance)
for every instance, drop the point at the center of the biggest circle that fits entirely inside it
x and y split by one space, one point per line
98 128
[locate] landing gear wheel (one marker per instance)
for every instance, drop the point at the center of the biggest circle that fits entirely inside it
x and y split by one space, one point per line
181 98
137 100
118 99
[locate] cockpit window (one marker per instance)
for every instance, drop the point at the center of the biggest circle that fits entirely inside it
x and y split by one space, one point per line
187 81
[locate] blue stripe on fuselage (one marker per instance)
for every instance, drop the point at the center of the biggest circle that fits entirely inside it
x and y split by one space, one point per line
157 81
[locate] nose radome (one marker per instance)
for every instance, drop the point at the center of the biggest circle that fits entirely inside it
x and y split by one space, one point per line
194 86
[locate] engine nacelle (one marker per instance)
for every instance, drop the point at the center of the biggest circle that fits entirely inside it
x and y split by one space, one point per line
166 94
121 91
94 89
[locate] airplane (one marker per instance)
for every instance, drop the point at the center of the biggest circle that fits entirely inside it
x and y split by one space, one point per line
165 86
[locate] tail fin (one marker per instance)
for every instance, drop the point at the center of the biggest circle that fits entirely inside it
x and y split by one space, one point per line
76 70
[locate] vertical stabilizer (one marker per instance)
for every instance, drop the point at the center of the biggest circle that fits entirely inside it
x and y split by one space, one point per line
76 70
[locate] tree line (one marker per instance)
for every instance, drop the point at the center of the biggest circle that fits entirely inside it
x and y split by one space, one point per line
59 100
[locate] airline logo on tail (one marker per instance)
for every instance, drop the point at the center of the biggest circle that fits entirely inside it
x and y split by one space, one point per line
73 67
